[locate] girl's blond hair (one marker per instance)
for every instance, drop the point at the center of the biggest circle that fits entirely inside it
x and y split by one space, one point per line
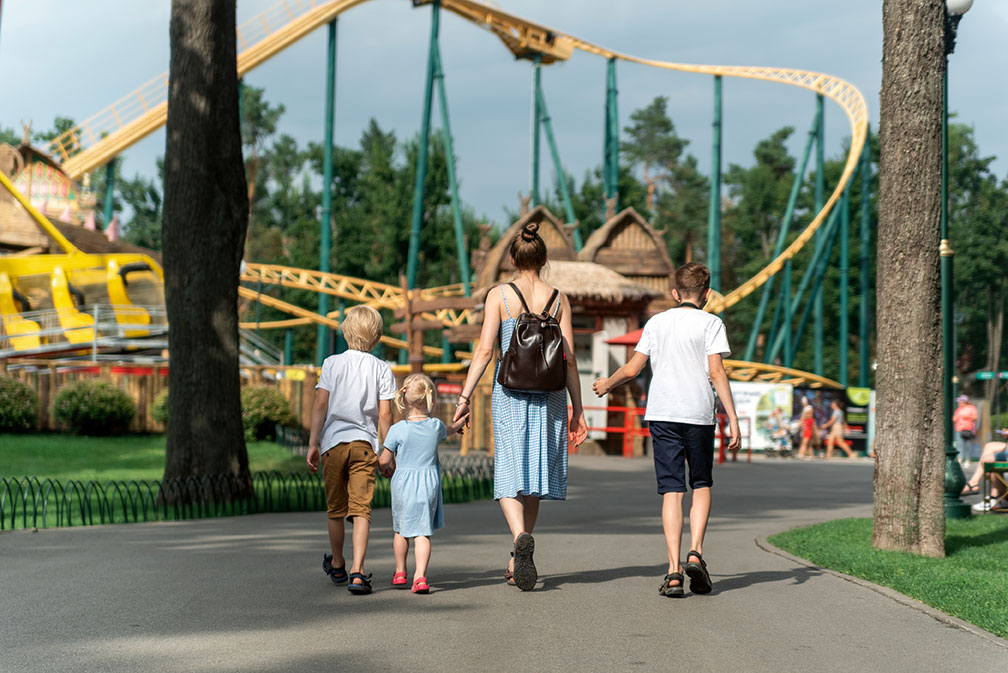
416 390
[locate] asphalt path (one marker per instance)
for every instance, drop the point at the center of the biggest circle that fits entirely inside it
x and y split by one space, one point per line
248 593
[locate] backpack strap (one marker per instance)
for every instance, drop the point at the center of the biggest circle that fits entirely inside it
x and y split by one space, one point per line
518 292
549 302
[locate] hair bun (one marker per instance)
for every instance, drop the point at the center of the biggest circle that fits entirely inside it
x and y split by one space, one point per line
529 231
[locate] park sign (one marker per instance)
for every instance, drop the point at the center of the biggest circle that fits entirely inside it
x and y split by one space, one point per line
987 376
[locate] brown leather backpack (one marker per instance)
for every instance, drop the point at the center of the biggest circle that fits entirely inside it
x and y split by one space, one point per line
535 359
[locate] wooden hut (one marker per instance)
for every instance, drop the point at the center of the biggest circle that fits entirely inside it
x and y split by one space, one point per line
627 244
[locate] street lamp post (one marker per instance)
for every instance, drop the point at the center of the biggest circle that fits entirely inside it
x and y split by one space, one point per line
954 478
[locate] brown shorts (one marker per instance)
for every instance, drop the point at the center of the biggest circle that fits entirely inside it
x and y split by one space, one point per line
348 470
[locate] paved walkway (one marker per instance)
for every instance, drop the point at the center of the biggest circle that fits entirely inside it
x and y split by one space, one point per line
247 594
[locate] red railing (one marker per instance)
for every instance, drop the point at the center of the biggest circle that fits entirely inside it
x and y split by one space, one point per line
629 431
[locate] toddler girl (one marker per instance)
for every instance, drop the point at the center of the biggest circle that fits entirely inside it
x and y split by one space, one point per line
411 451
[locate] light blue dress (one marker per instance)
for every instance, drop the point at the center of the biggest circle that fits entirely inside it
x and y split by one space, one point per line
417 508
530 435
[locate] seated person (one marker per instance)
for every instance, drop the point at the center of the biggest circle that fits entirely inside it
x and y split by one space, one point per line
778 430
993 452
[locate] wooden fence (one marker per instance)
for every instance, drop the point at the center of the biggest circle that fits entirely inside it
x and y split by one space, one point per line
144 382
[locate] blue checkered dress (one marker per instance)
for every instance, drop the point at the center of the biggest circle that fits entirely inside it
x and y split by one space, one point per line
530 436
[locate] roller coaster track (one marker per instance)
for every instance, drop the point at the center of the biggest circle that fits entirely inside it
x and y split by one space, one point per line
98 139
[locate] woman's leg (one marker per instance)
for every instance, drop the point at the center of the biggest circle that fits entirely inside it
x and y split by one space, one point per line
829 447
531 507
989 449
421 552
400 548
514 514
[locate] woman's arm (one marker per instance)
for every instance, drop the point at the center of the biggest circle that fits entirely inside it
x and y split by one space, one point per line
483 353
578 430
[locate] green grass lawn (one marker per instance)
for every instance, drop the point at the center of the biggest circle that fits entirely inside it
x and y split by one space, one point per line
971 582
128 457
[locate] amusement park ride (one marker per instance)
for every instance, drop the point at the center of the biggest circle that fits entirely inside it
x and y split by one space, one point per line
64 301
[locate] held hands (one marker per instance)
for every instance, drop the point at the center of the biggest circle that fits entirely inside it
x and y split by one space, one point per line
386 464
462 417
313 458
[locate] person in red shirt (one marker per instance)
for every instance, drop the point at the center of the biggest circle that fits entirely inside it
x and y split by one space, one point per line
964 422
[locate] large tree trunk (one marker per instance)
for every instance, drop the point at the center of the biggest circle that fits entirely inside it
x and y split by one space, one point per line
909 472
205 217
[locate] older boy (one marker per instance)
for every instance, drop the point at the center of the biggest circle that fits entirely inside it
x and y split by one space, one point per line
350 417
685 346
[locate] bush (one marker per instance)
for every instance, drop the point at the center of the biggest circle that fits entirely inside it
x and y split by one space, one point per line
159 409
18 406
93 408
262 409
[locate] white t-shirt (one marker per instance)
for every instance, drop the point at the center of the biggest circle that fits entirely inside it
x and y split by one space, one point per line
356 381
677 342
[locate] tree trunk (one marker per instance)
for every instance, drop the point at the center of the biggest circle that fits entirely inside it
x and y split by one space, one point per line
205 218
909 472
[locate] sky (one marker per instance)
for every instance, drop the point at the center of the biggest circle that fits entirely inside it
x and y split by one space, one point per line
48 68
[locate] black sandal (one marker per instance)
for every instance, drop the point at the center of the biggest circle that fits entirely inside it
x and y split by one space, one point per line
672 590
969 489
700 581
525 575
337 575
359 589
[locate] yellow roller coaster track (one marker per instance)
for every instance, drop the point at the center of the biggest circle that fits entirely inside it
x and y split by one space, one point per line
100 138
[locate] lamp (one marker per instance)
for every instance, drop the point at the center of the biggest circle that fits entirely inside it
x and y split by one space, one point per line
954 478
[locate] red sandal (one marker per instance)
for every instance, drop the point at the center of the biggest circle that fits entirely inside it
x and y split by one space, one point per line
399 580
420 586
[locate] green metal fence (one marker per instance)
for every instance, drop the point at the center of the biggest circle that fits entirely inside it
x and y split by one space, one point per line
29 502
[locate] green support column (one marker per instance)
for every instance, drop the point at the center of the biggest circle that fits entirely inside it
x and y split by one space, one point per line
536 120
558 167
325 218
829 238
460 244
844 339
288 347
714 209
421 165
788 317
820 188
110 181
863 352
610 163
341 344
810 272
785 227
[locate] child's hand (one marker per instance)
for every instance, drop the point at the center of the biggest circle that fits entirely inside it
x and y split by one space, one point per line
601 386
312 458
461 416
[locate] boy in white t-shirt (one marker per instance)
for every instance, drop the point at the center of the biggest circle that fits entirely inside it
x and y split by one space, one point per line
350 418
685 346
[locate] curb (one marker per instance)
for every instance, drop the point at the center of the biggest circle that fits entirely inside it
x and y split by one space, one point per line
891 594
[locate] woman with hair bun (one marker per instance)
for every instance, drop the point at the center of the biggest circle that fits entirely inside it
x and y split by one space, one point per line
531 433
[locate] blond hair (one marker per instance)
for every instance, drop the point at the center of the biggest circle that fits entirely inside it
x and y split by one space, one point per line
362 327
416 391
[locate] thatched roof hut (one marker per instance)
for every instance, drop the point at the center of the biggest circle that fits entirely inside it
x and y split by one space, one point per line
627 244
496 266
593 285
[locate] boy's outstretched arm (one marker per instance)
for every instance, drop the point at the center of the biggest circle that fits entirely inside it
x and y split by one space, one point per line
719 377
319 408
628 372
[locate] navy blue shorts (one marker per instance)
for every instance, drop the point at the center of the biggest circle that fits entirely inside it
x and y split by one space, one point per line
674 444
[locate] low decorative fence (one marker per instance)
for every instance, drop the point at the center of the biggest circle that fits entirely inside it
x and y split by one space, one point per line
31 503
